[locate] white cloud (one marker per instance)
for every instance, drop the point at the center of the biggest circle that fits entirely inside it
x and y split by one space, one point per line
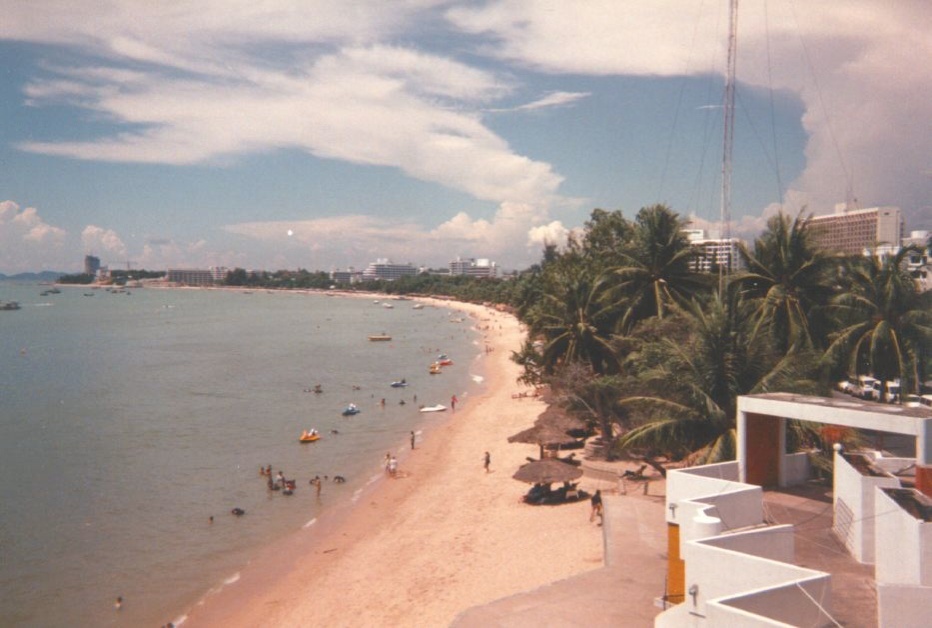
27 242
860 69
356 239
103 242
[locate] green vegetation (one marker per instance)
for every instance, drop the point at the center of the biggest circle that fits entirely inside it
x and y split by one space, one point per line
654 355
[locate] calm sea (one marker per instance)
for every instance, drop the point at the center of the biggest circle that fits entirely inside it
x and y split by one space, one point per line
127 420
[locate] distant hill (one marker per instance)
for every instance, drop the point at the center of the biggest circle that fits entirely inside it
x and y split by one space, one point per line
45 275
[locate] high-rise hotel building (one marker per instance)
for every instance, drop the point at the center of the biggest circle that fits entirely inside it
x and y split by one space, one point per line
854 231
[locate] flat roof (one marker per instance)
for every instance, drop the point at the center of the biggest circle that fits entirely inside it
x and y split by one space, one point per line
847 411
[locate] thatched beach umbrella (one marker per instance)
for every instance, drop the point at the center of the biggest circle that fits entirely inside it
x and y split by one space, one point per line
547 472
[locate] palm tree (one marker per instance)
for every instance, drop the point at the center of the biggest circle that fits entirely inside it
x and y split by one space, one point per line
787 280
692 412
656 273
575 319
886 321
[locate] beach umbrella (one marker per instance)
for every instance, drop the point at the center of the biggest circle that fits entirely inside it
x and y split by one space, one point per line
547 472
542 435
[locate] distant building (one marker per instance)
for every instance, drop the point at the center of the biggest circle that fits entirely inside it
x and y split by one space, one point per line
854 231
918 263
350 276
714 252
387 270
218 273
190 276
474 267
91 264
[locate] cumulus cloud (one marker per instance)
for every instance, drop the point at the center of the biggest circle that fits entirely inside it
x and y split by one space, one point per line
103 242
364 238
27 242
860 69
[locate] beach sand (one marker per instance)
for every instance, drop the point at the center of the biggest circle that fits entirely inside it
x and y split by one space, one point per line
440 538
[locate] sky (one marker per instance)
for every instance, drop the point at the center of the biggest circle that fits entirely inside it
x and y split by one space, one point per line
326 134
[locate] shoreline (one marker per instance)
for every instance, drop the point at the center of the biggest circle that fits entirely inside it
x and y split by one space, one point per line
442 537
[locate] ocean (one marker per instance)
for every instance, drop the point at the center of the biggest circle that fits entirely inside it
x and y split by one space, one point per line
127 420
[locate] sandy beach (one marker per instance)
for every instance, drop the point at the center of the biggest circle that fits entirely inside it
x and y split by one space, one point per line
440 538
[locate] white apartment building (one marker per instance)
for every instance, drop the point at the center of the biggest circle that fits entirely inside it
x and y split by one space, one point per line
387 270
715 252
474 267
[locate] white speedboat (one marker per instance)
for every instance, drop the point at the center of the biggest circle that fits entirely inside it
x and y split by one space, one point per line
435 408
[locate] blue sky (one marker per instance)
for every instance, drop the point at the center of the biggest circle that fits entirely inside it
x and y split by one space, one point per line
327 134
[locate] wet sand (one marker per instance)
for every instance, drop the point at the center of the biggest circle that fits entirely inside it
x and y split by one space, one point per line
442 537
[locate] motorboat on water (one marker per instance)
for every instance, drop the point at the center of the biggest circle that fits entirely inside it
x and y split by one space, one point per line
399 384
445 362
309 436
435 408
351 409
435 369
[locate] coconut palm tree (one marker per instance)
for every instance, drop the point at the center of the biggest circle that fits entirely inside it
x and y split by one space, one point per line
575 319
656 273
788 282
886 322
693 410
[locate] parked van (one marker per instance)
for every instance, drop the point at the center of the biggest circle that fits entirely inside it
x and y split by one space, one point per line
865 388
891 395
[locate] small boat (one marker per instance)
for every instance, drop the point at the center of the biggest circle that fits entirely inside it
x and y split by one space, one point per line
445 362
9 305
351 409
388 306
380 337
400 384
435 369
309 437
417 306
435 408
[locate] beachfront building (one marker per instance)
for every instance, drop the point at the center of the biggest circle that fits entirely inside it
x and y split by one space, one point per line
348 276
91 264
387 270
854 231
473 267
736 530
192 276
715 252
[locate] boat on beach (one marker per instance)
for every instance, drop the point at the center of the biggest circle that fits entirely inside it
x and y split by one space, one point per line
435 408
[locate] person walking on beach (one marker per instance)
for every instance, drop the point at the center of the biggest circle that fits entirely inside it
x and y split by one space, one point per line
393 466
453 403
596 505
412 440
487 461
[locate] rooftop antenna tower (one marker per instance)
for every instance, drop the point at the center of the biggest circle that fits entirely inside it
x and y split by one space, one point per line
729 133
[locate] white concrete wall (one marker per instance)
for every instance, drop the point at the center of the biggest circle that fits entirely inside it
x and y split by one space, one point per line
853 507
790 605
794 469
739 504
714 572
903 606
903 545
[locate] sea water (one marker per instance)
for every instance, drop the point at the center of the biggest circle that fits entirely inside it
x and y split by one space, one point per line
127 420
